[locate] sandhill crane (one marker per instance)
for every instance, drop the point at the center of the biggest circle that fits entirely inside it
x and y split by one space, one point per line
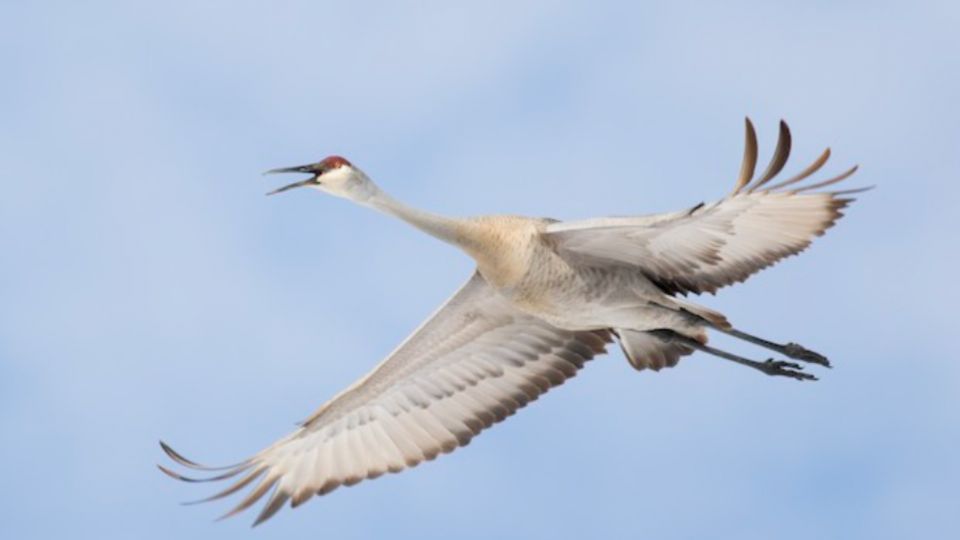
546 297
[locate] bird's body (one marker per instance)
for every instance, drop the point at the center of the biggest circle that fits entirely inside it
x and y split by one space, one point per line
518 259
546 297
522 260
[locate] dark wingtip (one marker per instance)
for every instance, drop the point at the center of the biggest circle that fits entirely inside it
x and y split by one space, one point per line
172 474
780 156
749 163
174 455
177 457
853 191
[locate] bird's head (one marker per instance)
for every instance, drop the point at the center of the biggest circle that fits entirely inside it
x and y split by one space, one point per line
334 175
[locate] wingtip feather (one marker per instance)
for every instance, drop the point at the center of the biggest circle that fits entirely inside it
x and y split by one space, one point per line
178 457
276 502
811 169
177 476
258 492
749 163
853 191
830 181
780 156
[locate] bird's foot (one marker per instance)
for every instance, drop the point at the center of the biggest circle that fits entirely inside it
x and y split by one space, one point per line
799 352
784 369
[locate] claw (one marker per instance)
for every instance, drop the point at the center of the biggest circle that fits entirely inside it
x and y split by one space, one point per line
786 369
795 350
783 364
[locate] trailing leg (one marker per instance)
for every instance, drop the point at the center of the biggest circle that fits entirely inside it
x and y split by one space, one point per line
770 367
790 350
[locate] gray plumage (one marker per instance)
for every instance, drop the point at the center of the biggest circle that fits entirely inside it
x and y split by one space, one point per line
547 296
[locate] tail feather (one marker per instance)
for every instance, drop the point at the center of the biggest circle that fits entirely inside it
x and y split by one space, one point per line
645 350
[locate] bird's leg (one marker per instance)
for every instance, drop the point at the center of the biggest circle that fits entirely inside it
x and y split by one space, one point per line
770 367
790 350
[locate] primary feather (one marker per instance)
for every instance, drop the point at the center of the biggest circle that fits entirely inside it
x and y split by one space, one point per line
720 243
475 362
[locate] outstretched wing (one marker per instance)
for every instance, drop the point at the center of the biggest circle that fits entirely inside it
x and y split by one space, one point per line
717 244
473 363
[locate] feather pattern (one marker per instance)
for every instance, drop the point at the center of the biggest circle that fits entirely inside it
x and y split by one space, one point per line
475 362
716 244
645 350
557 294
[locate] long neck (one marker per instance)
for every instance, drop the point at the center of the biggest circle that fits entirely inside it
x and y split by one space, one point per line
447 229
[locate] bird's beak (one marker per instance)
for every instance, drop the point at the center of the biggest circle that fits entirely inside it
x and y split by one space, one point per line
308 169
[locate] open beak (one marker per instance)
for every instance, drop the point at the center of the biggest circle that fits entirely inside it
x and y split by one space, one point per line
307 169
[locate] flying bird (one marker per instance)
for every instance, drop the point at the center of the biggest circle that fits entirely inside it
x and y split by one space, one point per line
546 297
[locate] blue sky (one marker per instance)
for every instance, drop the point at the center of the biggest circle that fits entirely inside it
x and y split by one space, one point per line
150 291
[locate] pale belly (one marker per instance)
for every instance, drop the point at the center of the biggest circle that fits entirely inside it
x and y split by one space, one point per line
590 298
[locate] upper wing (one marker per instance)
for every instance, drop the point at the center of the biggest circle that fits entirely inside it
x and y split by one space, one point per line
713 245
473 363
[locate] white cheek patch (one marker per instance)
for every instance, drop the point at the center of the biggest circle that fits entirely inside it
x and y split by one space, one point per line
345 182
337 178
